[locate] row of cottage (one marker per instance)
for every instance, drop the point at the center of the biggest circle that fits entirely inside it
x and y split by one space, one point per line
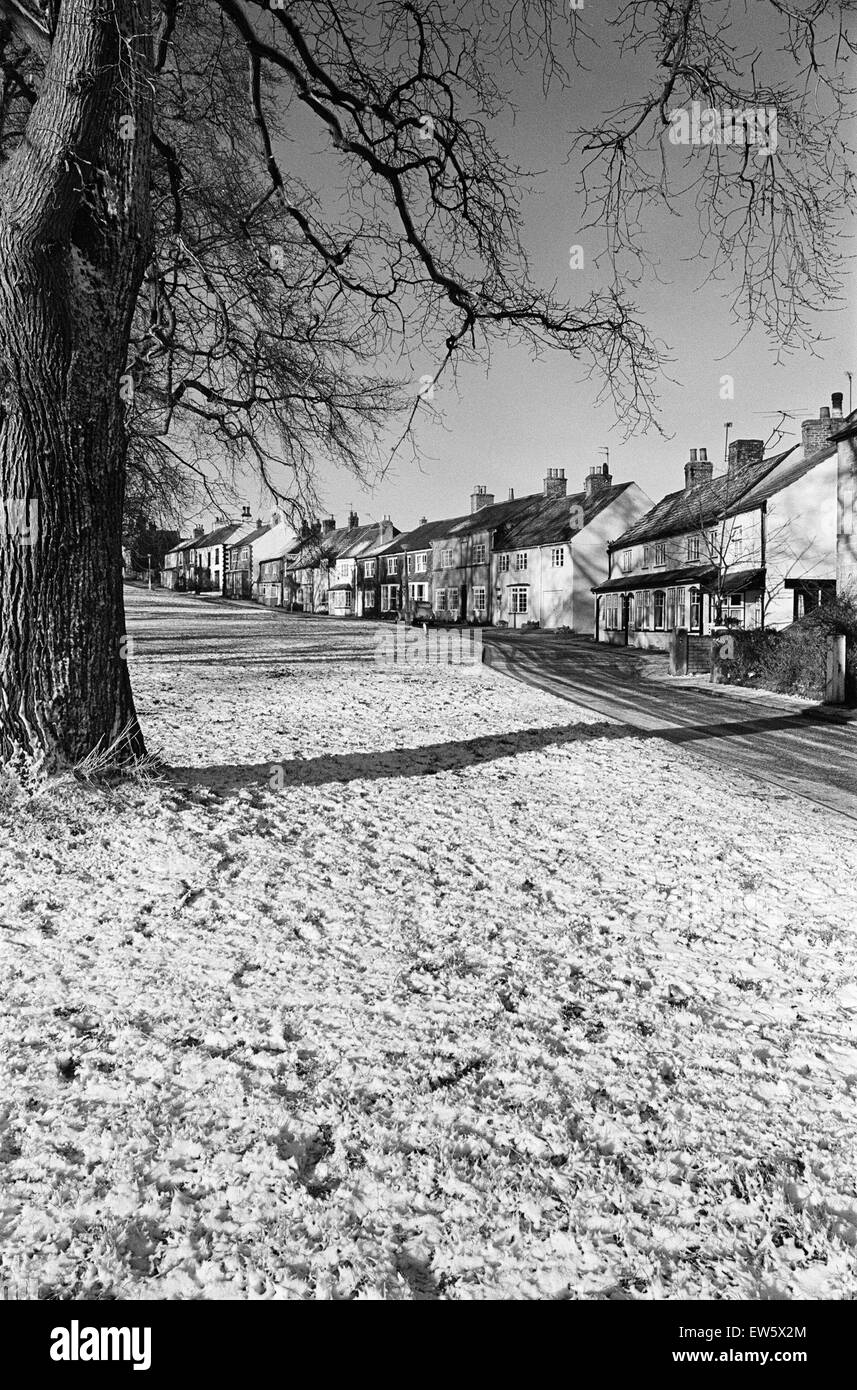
753 546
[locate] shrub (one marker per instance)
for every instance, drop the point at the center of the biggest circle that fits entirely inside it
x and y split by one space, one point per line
753 651
794 660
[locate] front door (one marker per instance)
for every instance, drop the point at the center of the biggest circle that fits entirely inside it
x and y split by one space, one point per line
626 616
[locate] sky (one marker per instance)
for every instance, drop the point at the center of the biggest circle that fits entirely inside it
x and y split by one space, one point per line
504 425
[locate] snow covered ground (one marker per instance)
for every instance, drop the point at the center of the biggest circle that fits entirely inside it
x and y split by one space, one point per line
417 983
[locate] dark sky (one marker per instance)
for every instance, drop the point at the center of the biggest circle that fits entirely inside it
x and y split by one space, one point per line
505 425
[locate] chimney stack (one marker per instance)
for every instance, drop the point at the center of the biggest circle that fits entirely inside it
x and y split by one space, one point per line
698 469
511 494
814 434
597 480
329 524
353 520
480 497
198 531
554 483
743 452
836 405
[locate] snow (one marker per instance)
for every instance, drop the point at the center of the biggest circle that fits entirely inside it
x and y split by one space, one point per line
417 983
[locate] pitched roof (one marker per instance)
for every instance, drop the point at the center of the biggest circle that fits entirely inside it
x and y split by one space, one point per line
781 476
693 508
484 519
658 579
705 576
498 513
422 536
181 545
551 523
331 545
362 542
254 535
218 536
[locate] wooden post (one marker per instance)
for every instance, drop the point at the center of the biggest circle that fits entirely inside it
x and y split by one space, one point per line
834 685
678 652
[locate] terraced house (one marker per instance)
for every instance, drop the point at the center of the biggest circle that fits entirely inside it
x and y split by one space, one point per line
546 561
752 547
319 576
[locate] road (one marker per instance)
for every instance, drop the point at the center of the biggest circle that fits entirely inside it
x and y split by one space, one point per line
775 741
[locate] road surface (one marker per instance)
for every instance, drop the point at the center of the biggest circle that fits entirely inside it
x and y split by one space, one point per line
776 741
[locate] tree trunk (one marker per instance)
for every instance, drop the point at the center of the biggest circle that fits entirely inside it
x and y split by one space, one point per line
74 241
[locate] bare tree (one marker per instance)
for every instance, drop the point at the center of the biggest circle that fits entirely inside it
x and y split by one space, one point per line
172 291
770 210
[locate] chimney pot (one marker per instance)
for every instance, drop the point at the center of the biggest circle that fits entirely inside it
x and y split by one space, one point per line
744 451
698 469
836 405
824 412
554 483
597 480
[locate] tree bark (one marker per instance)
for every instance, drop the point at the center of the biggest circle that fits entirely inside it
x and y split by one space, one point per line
75 237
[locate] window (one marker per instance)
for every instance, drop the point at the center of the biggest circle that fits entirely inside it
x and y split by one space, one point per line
711 542
208 561
558 557
626 561
340 599
440 601
411 563
369 598
392 564
419 592
681 608
480 554
693 547
479 598
520 599
521 560
389 597
660 609
343 571
732 610
670 619
368 569
421 560
660 554
454 599
446 559
611 612
504 562
737 543
695 610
